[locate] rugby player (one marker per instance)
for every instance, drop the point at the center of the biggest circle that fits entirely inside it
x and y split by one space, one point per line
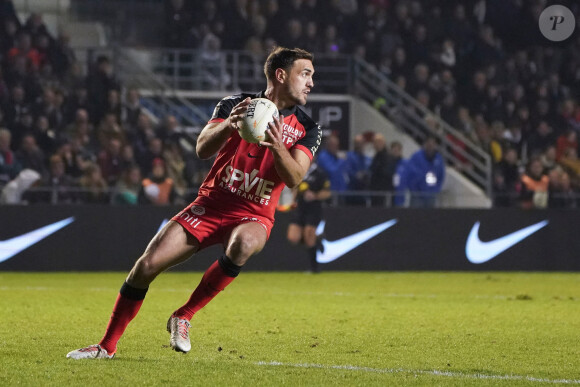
310 193
236 202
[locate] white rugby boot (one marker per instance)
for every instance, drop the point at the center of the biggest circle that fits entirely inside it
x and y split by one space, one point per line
178 329
94 351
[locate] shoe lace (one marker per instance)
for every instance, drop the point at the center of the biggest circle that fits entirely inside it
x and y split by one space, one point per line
183 328
91 348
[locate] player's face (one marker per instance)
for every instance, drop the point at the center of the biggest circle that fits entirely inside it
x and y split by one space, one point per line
300 81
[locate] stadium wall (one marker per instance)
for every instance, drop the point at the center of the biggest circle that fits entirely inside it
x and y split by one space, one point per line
104 238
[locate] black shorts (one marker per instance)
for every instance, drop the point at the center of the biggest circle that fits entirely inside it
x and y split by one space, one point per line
306 218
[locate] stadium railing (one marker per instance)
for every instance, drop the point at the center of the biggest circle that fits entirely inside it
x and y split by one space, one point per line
419 122
162 71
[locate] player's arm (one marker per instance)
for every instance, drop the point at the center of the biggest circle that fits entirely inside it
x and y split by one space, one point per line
292 165
325 192
215 134
294 195
321 195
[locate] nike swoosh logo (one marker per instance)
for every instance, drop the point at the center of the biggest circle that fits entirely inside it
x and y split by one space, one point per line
337 248
478 251
252 156
13 246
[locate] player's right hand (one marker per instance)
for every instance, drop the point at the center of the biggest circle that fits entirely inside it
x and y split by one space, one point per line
238 113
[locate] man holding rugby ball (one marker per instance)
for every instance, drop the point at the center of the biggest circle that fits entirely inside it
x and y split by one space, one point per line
236 202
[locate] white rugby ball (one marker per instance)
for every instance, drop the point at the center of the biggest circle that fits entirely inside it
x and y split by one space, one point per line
252 127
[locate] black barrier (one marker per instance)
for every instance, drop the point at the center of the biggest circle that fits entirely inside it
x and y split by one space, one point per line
100 238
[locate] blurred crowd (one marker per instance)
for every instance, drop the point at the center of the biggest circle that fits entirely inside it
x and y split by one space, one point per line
74 134
482 65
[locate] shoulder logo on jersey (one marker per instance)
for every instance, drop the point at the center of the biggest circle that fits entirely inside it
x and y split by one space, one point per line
249 186
291 134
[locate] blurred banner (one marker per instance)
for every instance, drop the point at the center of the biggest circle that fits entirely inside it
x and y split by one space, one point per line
101 238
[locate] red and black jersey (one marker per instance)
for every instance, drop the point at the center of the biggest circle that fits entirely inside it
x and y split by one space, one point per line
243 176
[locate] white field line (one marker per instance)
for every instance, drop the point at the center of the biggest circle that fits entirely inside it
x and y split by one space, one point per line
350 367
449 374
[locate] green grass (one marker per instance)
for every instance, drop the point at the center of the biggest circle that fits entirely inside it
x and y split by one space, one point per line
333 329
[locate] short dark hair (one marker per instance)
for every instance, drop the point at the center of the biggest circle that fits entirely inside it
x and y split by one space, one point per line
284 58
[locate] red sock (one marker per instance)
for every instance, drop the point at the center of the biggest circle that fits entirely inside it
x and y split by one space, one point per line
125 309
215 279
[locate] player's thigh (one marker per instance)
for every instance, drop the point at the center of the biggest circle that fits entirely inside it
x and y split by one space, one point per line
170 246
309 235
245 240
294 233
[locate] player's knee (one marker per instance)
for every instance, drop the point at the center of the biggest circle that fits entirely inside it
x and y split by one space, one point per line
309 237
310 242
146 269
294 239
247 245
244 246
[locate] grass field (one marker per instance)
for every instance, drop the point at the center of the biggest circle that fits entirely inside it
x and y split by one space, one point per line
295 329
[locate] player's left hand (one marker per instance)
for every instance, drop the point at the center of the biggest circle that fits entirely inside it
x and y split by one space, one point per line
275 138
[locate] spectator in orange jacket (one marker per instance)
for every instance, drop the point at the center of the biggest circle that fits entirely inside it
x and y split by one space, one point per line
535 184
158 188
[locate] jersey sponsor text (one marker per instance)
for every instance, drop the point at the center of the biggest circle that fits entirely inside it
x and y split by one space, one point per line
247 185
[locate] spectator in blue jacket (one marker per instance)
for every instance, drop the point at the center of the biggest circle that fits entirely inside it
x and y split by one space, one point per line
423 175
358 164
333 164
